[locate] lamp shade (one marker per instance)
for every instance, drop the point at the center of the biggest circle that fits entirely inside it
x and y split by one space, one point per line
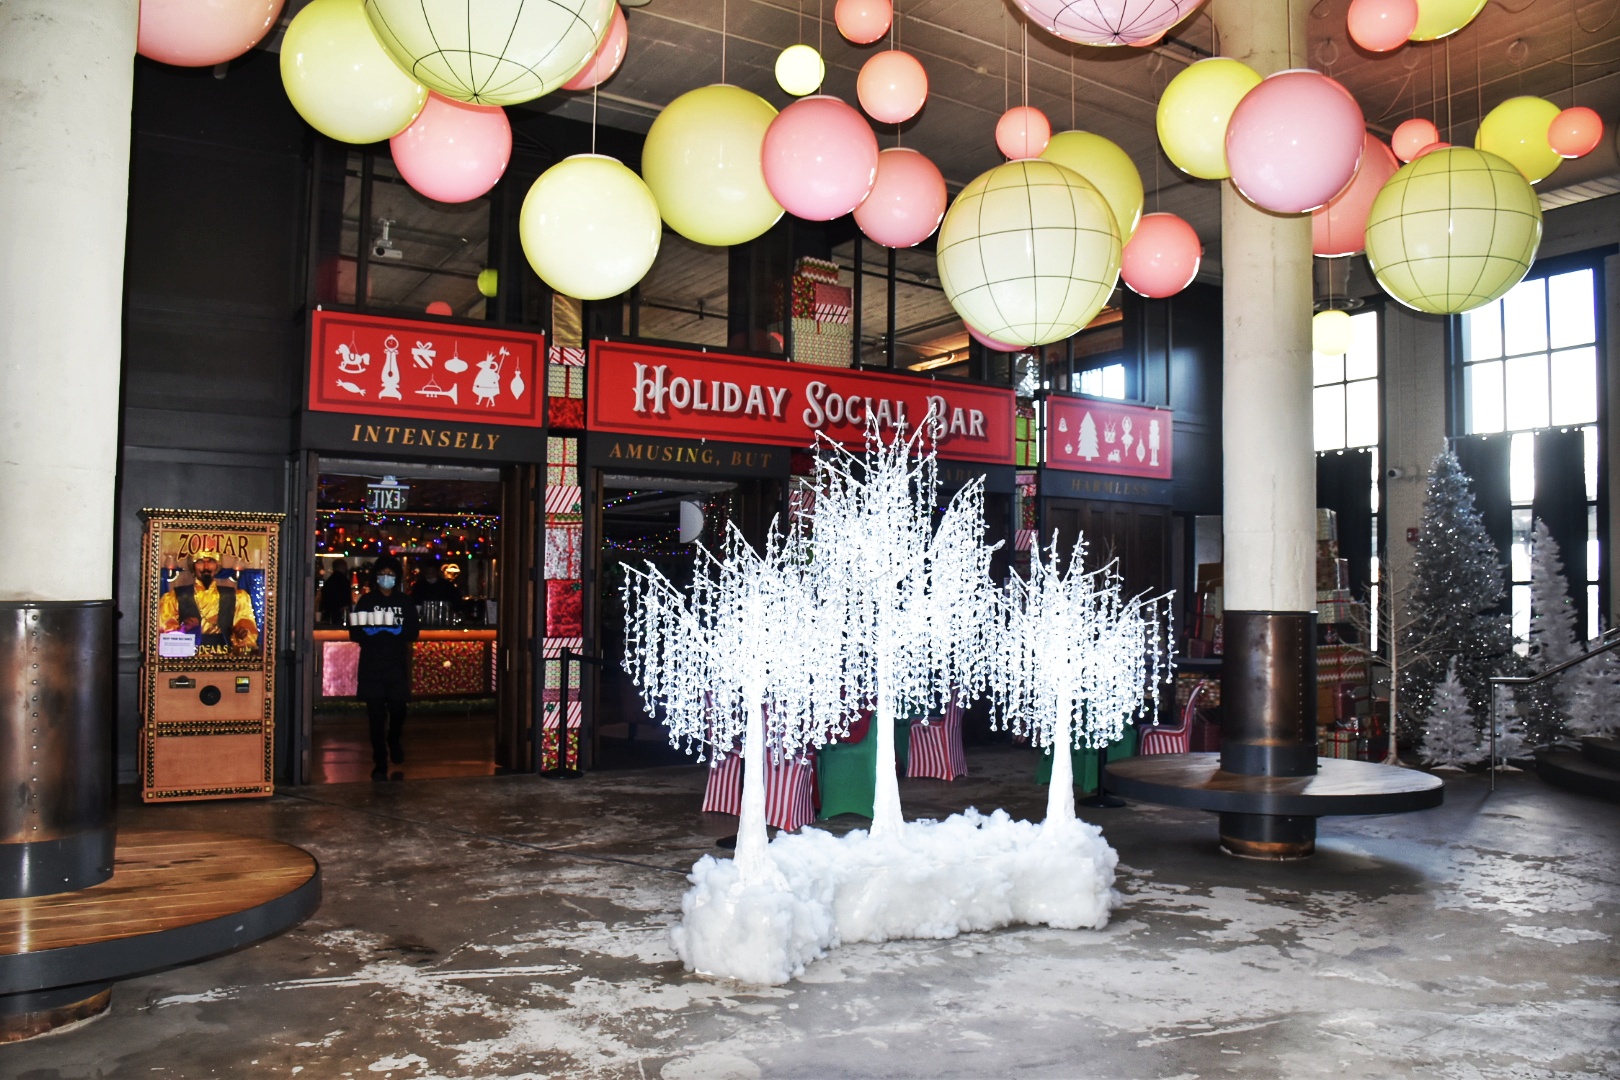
1110 170
820 158
340 80
799 70
1453 230
1194 110
1340 227
1575 132
701 160
453 152
1381 25
1442 18
1331 332
1517 131
863 21
1294 141
892 86
907 201
1023 132
491 52
1162 258
202 33
1106 22
589 227
1028 253
1412 136
609 55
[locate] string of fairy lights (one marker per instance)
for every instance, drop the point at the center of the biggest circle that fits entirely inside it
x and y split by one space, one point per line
445 535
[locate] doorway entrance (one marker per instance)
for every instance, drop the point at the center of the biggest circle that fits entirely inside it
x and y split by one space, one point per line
658 521
446 526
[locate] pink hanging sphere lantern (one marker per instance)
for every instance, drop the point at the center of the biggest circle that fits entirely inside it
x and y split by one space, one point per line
1023 132
1294 141
1106 22
820 158
453 151
1340 227
991 343
892 86
1575 132
439 307
609 55
1381 25
1161 257
1438 144
907 202
863 21
202 33
1411 137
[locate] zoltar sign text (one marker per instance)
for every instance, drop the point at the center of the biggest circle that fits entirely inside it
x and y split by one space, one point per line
646 390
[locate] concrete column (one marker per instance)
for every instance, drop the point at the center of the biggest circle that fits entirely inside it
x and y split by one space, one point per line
1269 470
65 97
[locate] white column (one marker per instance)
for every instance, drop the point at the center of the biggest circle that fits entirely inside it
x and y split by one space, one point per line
1269 471
66 69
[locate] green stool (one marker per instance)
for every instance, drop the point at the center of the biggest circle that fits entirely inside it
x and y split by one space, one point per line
846 773
1085 760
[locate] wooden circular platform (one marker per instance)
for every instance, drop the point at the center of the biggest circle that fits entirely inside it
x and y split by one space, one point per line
1338 788
175 897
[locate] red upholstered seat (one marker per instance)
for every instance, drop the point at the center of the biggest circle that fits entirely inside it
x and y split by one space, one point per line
789 786
1174 740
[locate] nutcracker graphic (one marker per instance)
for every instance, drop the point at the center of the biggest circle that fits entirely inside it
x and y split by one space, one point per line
487 385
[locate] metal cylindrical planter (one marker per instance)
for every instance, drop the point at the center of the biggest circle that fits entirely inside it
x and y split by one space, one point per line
56 792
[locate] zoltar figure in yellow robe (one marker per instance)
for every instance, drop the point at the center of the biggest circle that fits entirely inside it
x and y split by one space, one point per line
213 611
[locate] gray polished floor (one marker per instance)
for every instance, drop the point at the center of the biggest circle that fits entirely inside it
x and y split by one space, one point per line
512 926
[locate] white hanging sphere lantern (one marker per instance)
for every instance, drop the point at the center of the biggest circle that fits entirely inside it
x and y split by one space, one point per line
799 70
491 52
590 227
1106 22
1331 332
1453 231
1029 252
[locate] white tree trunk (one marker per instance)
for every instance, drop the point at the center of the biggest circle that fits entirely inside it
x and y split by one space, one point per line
1060 793
887 820
754 864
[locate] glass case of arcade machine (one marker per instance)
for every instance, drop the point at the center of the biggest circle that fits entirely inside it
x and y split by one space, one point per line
207 685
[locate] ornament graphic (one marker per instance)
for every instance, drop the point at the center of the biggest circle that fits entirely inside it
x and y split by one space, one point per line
352 363
516 386
1063 423
390 371
344 384
1088 437
455 365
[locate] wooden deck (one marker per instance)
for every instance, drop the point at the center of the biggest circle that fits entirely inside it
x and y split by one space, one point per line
175 897
1339 787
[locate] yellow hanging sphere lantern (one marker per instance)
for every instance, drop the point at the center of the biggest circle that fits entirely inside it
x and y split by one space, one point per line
1331 333
1516 130
799 70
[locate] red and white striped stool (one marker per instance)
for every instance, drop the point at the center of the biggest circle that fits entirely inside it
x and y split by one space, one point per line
936 747
1173 740
723 795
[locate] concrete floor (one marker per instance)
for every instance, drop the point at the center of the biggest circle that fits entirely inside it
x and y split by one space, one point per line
511 926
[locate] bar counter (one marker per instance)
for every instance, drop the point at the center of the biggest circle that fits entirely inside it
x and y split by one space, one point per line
444 663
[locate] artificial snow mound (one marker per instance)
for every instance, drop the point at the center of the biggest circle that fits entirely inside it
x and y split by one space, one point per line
935 879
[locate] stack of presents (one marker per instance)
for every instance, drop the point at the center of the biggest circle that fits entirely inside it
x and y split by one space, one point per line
822 322
1348 724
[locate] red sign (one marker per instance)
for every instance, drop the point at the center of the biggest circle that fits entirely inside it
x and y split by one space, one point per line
647 390
425 371
1097 436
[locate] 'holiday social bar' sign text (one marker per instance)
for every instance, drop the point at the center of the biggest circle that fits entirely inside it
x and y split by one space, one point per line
417 370
1100 436
647 390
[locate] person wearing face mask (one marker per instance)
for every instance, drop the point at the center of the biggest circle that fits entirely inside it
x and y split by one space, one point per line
384 675
210 608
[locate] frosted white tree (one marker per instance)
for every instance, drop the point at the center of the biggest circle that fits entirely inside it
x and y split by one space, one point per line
1088 437
1450 737
739 655
1077 661
913 599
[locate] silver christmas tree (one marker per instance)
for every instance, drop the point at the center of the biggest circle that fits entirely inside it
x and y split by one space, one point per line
1450 736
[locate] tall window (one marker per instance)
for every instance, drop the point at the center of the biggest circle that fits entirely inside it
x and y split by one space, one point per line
1346 405
1530 367
1107 381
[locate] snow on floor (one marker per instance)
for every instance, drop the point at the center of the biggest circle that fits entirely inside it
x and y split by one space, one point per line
936 879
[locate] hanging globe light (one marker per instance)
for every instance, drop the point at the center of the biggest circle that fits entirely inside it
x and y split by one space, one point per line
1453 231
799 70
1028 253
1331 332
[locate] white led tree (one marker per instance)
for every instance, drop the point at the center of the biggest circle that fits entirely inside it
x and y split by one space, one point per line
1077 661
913 600
1450 737
739 656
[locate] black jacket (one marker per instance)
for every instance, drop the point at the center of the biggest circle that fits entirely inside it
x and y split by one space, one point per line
385 656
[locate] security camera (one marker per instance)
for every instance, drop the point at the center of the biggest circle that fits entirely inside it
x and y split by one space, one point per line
386 251
1398 472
